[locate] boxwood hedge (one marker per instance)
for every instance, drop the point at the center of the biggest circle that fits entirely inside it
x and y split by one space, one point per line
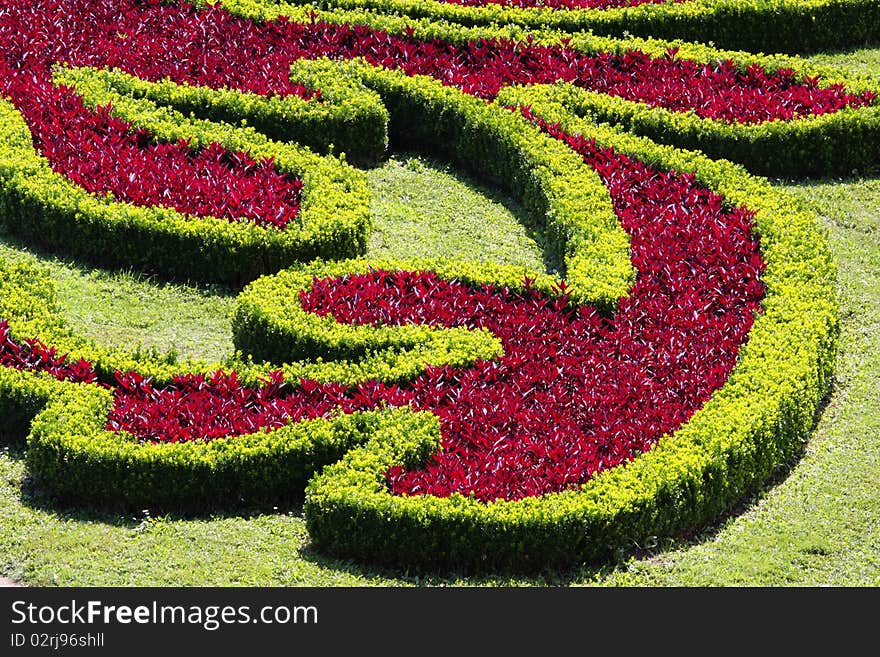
46 207
814 145
750 427
348 118
789 26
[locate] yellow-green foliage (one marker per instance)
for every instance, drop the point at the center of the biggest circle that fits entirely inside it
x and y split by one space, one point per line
46 207
815 145
749 428
348 119
795 26
78 458
565 196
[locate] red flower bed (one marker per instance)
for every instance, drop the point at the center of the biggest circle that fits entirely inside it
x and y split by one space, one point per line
153 40
559 4
34 356
574 393
103 154
197 406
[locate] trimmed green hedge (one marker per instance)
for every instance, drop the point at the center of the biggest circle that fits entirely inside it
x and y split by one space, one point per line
270 325
830 144
22 396
749 428
76 457
790 26
565 197
46 207
72 454
348 119
28 303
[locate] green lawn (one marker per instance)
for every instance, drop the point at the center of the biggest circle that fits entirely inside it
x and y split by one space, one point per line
820 524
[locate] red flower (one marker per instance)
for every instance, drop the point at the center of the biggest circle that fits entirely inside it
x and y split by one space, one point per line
573 394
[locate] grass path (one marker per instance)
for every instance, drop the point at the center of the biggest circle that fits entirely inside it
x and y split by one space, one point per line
819 525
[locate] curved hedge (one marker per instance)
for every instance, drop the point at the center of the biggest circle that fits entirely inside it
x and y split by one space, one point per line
836 142
818 145
29 305
267 325
271 325
750 427
347 119
46 207
565 197
76 457
789 26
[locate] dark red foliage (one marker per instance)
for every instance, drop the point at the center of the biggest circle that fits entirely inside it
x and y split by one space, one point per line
103 154
196 406
154 39
33 356
574 393
560 4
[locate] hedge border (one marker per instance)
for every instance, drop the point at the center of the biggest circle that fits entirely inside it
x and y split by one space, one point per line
28 303
71 452
46 207
706 465
564 196
844 140
789 26
556 176
782 373
347 119
77 458
836 143
270 324
773 392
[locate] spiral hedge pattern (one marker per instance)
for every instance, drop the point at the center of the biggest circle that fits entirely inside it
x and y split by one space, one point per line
429 413
789 26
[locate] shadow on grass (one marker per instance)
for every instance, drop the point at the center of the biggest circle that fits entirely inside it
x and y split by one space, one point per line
856 177
709 531
38 498
45 256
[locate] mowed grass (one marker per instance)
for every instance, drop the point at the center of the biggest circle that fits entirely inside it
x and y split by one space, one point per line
819 524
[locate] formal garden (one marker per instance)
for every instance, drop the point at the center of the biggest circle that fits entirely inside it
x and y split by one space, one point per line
464 292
